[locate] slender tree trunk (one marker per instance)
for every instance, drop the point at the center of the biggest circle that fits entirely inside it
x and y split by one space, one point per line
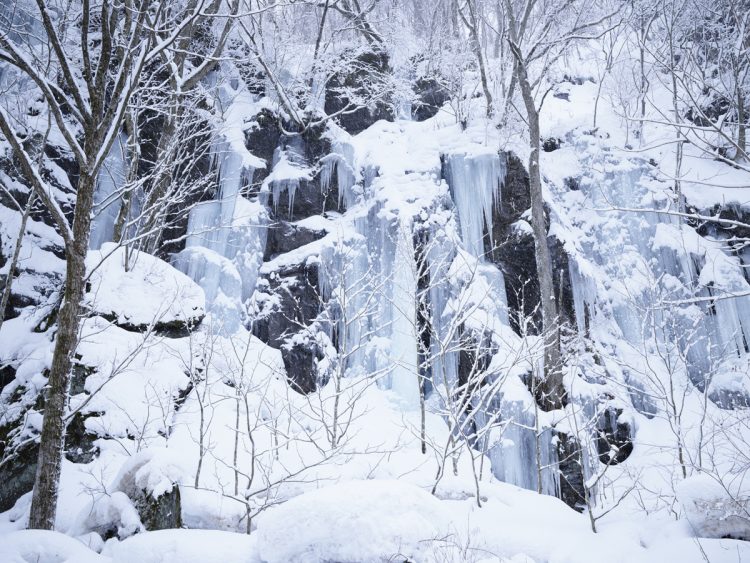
551 392
476 44
741 127
44 499
14 260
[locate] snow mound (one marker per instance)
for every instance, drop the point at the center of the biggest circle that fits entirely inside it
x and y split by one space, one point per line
41 546
356 521
715 509
149 292
183 546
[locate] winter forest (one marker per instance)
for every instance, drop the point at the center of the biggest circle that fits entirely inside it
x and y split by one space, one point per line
359 281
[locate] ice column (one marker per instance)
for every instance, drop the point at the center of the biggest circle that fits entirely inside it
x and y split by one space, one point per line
111 179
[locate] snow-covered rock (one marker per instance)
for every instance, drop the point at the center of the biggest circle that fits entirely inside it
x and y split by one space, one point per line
137 290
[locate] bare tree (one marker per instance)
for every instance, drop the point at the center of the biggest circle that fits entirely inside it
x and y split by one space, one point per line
537 34
88 111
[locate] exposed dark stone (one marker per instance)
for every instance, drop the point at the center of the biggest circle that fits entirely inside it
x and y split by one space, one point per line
710 112
294 302
177 328
577 80
284 237
469 365
17 473
424 321
570 467
431 96
729 399
562 96
308 200
262 137
614 437
7 374
79 374
301 364
514 252
162 513
573 184
551 144
360 78
79 443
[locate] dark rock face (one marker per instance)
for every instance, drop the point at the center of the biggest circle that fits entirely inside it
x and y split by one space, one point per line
570 468
303 200
361 78
551 144
17 474
177 328
729 399
261 138
284 237
307 196
162 513
79 443
301 364
514 252
7 374
431 96
614 440
293 302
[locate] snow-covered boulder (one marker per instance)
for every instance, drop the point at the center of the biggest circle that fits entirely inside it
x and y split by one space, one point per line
150 479
716 509
356 521
139 290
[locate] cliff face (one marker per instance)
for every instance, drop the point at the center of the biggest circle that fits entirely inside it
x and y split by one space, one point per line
360 301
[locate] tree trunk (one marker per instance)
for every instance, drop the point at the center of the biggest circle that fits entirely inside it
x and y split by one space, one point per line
44 499
14 260
550 391
741 127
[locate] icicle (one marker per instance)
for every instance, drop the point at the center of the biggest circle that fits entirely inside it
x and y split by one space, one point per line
475 183
111 179
225 242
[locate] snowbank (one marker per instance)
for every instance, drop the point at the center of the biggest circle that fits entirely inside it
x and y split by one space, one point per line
715 509
358 521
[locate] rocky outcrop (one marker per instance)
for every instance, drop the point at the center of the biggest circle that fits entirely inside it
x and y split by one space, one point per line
360 79
514 251
614 437
289 300
161 513
431 96
570 470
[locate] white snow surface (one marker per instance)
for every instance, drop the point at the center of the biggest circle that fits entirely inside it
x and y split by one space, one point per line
137 289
